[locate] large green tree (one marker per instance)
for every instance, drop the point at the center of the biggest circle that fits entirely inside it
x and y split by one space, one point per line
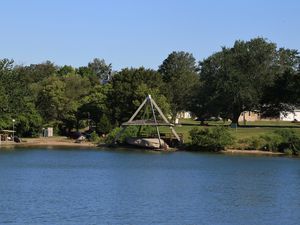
238 79
179 72
59 98
6 66
129 88
283 94
94 109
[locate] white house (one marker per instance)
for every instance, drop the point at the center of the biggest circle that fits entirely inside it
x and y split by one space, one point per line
290 116
184 115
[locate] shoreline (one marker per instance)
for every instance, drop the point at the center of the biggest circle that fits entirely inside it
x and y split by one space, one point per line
49 142
251 152
66 142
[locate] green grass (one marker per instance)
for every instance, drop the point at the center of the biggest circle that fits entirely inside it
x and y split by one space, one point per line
250 130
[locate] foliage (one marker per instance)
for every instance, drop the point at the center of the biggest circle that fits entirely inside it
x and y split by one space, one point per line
290 141
104 126
243 78
95 137
129 132
129 89
283 140
179 72
101 69
251 75
210 139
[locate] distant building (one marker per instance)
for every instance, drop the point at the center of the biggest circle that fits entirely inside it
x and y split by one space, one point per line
283 116
290 116
184 115
249 116
48 132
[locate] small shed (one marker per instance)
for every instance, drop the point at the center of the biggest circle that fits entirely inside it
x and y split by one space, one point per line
48 132
6 135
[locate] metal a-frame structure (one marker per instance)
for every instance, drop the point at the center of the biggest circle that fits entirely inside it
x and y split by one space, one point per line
131 122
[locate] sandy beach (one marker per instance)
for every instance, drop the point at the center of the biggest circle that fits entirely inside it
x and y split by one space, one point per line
250 152
51 141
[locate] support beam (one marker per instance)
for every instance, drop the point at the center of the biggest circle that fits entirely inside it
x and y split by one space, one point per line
159 111
138 110
154 106
119 134
155 121
175 134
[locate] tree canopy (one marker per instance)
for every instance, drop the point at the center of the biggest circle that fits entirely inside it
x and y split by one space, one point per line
179 72
251 75
240 78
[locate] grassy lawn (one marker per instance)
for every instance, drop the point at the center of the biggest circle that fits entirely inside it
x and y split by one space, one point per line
250 130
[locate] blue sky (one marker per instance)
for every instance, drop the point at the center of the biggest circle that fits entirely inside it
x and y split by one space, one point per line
133 33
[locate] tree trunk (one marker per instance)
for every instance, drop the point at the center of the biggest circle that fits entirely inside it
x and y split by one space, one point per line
77 125
235 118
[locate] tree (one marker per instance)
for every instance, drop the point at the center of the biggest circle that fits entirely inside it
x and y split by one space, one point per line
65 70
6 66
17 101
36 72
101 69
59 99
283 94
51 100
94 108
234 79
129 89
179 72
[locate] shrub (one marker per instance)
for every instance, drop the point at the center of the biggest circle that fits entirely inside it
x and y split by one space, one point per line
104 126
211 139
290 141
254 143
129 132
95 137
284 140
272 142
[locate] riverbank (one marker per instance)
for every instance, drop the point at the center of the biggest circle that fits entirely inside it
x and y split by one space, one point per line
51 141
66 142
251 152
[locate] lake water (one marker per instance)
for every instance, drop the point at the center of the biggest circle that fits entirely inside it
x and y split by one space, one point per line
85 187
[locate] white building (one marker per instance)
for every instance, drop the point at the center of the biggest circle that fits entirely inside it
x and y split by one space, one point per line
290 116
184 115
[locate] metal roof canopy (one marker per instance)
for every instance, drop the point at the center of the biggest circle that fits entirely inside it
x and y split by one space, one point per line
7 131
154 122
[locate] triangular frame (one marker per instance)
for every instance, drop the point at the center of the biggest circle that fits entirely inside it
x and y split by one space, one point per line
153 105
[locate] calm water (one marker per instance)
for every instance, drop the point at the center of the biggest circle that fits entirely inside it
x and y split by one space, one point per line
63 186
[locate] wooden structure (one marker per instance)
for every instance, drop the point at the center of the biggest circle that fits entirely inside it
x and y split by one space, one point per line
6 135
148 122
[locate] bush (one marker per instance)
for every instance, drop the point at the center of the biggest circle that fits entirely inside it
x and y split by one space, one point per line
104 126
272 142
284 140
129 132
254 143
211 139
290 141
95 137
